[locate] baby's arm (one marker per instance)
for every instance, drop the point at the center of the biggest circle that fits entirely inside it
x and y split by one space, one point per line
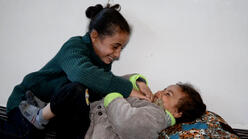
140 86
145 121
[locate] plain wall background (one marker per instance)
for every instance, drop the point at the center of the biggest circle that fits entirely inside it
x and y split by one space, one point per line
203 42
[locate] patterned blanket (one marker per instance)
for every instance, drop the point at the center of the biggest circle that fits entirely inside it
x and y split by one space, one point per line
210 125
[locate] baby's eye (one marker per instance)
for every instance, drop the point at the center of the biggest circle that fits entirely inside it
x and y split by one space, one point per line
167 94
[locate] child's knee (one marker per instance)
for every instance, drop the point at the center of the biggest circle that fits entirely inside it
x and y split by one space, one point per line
68 97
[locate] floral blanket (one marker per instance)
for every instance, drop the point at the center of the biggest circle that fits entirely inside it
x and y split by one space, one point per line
210 125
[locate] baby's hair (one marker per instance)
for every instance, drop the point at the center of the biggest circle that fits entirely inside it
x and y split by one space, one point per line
191 105
106 20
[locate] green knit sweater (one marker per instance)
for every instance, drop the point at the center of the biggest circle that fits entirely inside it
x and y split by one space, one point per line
75 62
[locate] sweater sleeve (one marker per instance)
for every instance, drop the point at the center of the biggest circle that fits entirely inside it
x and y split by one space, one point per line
135 122
74 60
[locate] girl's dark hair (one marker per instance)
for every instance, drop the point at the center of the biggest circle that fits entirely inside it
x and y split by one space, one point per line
191 105
106 21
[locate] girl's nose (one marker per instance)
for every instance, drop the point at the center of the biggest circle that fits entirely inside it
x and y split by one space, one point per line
117 53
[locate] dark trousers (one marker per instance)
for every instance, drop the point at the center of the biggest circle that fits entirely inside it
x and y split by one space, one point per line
71 120
72 112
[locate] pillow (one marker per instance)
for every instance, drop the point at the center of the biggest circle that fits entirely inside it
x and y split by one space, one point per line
209 125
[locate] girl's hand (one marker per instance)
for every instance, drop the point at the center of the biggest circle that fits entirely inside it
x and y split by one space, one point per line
145 90
138 94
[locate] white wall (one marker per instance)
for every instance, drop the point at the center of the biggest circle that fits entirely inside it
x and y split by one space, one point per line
199 41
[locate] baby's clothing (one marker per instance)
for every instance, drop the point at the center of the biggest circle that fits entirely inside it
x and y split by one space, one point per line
130 118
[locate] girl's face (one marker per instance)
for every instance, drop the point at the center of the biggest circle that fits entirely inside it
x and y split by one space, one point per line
109 48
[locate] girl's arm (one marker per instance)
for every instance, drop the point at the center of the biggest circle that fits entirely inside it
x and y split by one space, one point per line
76 61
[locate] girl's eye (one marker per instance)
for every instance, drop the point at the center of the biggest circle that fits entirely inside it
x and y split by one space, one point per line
115 47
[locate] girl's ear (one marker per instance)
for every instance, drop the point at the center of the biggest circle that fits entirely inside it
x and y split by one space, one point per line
177 114
93 35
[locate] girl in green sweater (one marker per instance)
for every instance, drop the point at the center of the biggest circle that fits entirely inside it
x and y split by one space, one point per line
81 67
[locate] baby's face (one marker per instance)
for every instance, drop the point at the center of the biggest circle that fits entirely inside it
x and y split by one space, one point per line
168 99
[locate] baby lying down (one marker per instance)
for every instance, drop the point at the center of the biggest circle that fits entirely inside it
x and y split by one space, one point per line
117 118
